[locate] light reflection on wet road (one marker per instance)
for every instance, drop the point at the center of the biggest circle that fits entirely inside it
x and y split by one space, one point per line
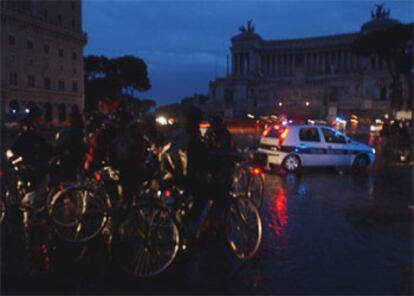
325 232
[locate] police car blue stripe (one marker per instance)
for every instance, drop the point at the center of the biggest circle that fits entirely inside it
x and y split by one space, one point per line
312 150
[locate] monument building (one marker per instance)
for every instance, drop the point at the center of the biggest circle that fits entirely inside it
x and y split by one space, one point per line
313 77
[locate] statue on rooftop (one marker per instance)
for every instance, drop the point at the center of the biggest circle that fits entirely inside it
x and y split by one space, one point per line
380 12
249 29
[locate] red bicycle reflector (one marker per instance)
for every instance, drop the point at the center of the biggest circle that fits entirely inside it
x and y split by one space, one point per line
98 176
256 171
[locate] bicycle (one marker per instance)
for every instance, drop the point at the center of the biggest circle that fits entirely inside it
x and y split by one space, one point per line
248 176
164 227
81 211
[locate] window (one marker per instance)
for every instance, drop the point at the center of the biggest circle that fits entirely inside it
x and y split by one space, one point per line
60 52
383 93
47 83
12 58
271 133
48 112
31 81
12 40
29 44
74 71
73 24
61 85
74 56
74 87
72 4
13 78
62 112
60 19
45 14
46 48
332 136
309 134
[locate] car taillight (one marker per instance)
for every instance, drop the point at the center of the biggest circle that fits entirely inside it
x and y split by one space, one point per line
282 136
266 131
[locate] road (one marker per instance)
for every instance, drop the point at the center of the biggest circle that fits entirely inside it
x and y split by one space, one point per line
326 231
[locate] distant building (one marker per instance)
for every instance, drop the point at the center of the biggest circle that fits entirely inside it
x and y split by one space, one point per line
310 77
42 58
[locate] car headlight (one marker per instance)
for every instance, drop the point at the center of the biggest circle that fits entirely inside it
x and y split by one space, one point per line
373 150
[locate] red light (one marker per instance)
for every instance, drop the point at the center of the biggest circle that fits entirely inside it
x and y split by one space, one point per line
283 136
277 127
2 173
205 124
256 171
98 176
266 131
167 193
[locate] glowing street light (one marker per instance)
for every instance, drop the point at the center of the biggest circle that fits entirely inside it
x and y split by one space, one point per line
280 104
161 120
307 103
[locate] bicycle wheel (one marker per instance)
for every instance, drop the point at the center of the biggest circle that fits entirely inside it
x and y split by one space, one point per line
243 228
255 190
153 243
78 213
2 209
240 179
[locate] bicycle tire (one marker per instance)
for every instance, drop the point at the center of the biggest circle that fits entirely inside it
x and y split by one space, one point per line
2 210
154 244
78 214
240 179
255 190
236 231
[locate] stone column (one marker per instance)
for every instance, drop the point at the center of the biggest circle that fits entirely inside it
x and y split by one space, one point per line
248 62
241 63
234 64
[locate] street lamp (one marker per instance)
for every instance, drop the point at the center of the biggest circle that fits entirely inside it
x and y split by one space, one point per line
280 104
307 103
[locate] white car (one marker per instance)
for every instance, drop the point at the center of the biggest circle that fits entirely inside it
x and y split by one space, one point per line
295 146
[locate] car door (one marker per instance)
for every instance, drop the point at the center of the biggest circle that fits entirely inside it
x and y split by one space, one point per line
335 145
311 147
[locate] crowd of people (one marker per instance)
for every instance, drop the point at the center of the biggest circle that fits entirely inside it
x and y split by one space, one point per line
113 136
397 139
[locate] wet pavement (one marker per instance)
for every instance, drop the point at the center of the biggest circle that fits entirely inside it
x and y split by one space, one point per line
326 231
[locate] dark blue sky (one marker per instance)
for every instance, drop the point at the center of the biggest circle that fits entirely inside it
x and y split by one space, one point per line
185 43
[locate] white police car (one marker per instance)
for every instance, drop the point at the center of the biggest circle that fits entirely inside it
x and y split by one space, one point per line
295 146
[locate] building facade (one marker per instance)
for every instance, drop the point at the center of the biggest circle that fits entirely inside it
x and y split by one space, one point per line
42 58
315 77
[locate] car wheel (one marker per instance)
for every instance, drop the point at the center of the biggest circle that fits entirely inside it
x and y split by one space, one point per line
361 163
291 163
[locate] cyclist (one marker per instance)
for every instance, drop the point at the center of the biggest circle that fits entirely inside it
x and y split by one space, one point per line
71 147
185 161
221 148
35 153
98 117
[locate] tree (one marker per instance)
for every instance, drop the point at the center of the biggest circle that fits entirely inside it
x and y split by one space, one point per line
114 78
395 47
